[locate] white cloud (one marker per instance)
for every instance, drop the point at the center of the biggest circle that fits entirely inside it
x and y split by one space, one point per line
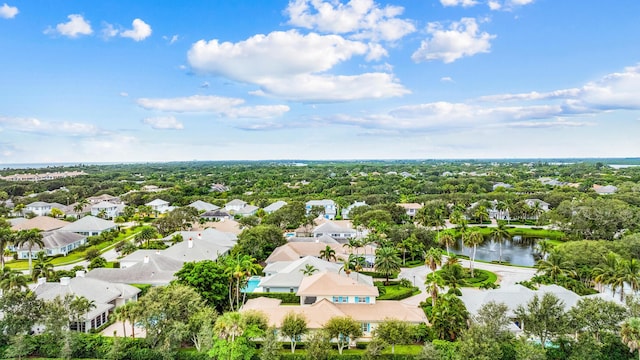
222 106
33 125
108 31
164 123
463 3
8 12
461 39
75 27
446 79
280 61
124 94
506 5
139 32
171 39
361 19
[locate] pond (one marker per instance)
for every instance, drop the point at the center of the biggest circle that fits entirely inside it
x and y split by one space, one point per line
519 250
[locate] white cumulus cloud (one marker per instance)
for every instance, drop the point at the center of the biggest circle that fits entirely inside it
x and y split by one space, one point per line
462 38
222 106
8 12
362 19
281 61
506 5
139 32
75 27
34 125
463 3
164 123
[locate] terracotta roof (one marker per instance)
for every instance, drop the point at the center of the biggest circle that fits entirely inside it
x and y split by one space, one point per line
294 250
332 284
44 223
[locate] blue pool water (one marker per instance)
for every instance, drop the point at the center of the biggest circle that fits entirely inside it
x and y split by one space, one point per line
252 284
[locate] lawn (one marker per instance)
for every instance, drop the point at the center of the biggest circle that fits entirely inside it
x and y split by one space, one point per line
394 291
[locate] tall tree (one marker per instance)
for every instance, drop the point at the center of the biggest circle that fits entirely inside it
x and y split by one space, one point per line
344 330
595 316
630 333
447 240
473 239
500 234
433 259
12 279
387 261
449 317
30 238
209 279
543 318
433 284
238 269
293 326
7 237
146 234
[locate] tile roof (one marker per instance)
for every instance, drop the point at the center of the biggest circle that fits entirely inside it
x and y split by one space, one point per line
44 223
89 223
333 284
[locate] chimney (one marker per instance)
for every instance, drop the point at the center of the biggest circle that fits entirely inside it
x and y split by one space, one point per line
80 273
146 259
157 252
42 280
190 243
199 236
65 280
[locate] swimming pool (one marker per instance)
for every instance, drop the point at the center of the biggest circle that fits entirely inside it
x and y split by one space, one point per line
252 284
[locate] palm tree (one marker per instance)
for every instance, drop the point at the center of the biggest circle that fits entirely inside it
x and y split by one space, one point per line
544 247
130 312
121 315
42 267
446 240
473 238
79 307
453 276
239 268
628 272
630 333
555 266
7 237
30 238
387 261
347 266
452 260
229 326
328 254
12 280
146 234
308 270
79 207
500 234
433 285
481 213
502 208
433 259
606 272
357 262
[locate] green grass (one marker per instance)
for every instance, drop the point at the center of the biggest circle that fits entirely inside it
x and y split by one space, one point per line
396 292
400 350
539 233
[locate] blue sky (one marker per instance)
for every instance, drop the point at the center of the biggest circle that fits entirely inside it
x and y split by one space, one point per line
110 81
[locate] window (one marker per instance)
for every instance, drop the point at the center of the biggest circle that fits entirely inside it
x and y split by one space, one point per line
366 327
291 290
362 300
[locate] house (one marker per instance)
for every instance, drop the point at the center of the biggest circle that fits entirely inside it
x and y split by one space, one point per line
604 190
286 276
218 188
159 206
501 185
345 212
241 208
329 207
55 243
104 295
537 204
44 223
275 206
203 206
295 250
215 215
324 239
104 197
90 226
208 244
328 295
41 208
335 231
108 209
141 267
411 208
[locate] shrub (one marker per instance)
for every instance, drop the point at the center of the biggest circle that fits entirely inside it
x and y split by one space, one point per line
92 253
287 298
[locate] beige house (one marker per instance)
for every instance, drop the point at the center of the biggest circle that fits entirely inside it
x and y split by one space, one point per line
295 250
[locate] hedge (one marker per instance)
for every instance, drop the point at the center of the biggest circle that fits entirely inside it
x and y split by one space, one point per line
287 298
379 275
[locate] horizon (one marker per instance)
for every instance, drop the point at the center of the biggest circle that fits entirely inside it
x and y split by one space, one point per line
143 82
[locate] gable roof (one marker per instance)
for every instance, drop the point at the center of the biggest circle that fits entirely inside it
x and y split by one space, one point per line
157 202
54 240
331 227
104 205
275 206
330 284
158 270
198 249
203 205
89 223
44 223
236 202
93 289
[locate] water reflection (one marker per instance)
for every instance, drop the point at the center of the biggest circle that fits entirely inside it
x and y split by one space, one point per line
519 250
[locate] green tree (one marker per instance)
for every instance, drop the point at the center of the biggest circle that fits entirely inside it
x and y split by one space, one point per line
318 345
433 284
201 326
12 279
449 317
387 261
473 239
500 234
30 238
21 311
308 270
42 267
164 313
393 332
453 276
543 318
259 241
433 259
270 349
146 234
96 263
344 330
630 333
595 315
207 278
293 326
487 334
238 269
447 240
7 237
328 253
555 266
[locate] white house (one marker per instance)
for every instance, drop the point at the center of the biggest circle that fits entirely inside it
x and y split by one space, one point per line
275 206
345 212
334 230
159 206
411 208
55 243
110 210
104 295
537 203
41 208
90 226
329 207
239 207
203 206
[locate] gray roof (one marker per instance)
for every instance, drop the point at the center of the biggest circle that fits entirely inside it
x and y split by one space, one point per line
320 202
38 204
330 227
325 239
97 290
275 206
89 223
104 205
236 202
202 205
215 213
208 235
158 270
56 239
247 209
157 202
